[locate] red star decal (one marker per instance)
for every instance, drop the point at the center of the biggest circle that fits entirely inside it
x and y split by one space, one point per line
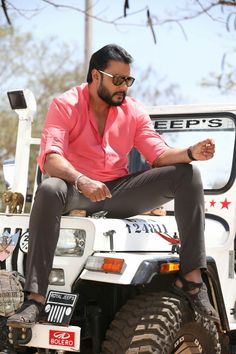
225 204
212 203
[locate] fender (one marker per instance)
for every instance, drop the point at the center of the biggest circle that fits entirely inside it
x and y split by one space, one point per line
149 268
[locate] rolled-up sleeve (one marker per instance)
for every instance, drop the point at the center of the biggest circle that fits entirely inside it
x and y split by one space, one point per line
147 141
55 135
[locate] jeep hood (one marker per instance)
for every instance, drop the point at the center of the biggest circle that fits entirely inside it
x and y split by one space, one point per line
147 233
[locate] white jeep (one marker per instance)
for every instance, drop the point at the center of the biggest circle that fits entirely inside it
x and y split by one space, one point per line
109 286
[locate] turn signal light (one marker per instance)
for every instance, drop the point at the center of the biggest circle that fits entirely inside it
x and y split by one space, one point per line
105 264
169 267
113 265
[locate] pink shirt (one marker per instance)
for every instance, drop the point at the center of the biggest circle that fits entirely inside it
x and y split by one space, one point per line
71 131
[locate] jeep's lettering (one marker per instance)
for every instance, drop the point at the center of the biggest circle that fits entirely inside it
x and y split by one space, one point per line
189 124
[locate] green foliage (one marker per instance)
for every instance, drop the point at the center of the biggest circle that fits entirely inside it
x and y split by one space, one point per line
15 54
152 90
47 68
225 80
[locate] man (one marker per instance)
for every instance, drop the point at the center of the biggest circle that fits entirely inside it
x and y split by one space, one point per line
88 133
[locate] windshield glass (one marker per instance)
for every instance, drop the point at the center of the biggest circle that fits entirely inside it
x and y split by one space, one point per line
186 131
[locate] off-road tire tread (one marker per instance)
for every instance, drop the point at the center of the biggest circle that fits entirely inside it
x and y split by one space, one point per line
150 323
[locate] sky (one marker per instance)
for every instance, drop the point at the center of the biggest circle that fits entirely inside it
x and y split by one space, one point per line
183 55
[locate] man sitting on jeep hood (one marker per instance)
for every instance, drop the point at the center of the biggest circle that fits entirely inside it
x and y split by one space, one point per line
88 134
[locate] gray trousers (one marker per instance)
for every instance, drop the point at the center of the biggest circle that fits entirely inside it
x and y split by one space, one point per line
131 195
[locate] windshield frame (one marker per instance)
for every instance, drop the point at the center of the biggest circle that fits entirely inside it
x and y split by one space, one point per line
185 116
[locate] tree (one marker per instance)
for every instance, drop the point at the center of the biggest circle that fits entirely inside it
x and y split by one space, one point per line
13 62
225 80
45 70
190 10
177 13
11 66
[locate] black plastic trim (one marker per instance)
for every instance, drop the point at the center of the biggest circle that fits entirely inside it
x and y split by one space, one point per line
149 268
219 219
212 273
209 216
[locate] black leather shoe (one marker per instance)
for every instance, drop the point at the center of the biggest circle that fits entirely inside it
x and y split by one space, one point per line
27 315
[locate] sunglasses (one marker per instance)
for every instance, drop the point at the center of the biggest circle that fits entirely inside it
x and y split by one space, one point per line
117 80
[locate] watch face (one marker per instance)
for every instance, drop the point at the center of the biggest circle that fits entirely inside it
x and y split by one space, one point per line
17 99
24 242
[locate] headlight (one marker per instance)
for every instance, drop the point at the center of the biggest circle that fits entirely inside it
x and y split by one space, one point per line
71 242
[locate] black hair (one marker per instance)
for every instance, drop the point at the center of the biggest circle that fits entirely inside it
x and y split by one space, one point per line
99 60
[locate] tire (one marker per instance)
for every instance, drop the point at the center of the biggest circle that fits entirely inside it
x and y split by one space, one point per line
160 323
232 349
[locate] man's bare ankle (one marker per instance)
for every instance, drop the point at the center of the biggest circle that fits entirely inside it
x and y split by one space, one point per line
37 297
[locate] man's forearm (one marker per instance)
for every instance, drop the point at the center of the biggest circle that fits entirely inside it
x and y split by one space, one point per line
201 151
172 156
57 166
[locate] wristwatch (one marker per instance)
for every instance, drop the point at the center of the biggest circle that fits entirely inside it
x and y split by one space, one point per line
190 155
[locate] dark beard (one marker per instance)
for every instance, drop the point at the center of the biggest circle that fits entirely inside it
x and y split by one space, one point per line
104 94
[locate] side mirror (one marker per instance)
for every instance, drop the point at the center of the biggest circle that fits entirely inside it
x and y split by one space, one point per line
23 103
17 99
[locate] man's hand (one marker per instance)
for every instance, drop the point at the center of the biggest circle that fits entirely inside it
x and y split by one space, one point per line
94 190
204 150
